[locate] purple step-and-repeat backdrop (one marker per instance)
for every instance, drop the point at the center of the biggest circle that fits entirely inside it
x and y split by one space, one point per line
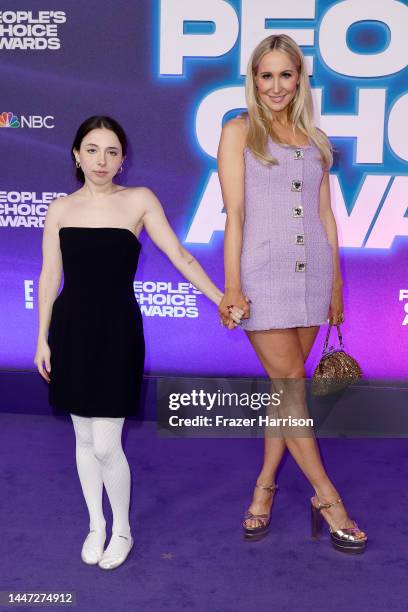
171 72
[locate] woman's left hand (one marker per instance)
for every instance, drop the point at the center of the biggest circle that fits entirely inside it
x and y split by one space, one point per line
336 310
234 318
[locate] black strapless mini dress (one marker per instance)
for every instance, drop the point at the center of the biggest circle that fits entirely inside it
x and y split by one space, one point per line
96 329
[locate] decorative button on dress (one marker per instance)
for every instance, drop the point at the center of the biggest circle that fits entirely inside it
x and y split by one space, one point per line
96 330
286 259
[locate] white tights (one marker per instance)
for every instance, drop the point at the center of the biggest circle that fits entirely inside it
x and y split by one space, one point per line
101 461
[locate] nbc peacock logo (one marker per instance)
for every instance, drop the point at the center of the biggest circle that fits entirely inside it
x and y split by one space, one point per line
8 120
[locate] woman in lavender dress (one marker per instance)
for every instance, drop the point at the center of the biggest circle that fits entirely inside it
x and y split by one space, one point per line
281 260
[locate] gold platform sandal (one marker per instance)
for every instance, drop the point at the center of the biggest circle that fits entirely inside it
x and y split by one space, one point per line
256 533
349 539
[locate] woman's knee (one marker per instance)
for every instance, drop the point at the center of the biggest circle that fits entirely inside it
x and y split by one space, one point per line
102 452
83 431
107 441
296 371
105 451
291 370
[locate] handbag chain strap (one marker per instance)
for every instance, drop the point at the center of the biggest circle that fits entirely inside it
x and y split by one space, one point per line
327 339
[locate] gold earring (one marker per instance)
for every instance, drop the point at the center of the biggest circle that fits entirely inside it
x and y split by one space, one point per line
77 164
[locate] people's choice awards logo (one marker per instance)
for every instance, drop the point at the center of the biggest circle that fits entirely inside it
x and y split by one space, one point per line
167 299
9 120
25 208
28 30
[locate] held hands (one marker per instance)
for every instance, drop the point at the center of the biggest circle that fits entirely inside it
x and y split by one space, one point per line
233 307
42 359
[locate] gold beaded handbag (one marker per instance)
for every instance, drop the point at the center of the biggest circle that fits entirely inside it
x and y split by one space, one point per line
336 369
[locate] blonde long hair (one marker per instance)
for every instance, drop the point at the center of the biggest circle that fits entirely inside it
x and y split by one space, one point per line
300 111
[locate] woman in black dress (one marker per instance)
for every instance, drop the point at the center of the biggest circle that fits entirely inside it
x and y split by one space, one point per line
90 343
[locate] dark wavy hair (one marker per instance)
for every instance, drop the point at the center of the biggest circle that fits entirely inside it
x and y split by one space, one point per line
92 123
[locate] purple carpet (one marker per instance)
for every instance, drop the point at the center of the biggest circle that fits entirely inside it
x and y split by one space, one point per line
187 503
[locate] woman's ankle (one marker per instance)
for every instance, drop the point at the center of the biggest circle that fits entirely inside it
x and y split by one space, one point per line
97 526
122 532
266 479
326 492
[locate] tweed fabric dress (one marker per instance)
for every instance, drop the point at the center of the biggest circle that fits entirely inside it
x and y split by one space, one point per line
286 259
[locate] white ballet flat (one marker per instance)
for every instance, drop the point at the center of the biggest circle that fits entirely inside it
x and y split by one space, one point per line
117 554
92 549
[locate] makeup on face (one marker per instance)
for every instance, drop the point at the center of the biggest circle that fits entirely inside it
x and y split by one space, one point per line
276 80
101 154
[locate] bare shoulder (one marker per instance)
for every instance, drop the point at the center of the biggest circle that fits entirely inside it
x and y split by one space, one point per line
142 196
64 201
234 136
57 207
139 193
135 192
237 127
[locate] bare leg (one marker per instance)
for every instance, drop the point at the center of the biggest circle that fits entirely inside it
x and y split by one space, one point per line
282 356
274 447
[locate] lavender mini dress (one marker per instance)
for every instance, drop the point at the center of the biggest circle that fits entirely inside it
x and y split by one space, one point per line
286 259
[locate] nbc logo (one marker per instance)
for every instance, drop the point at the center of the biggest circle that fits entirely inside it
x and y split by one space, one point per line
9 120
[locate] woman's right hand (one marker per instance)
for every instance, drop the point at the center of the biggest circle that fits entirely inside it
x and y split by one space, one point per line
42 359
233 297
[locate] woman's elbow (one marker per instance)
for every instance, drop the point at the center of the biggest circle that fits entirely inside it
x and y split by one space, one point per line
180 257
186 256
50 275
235 219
